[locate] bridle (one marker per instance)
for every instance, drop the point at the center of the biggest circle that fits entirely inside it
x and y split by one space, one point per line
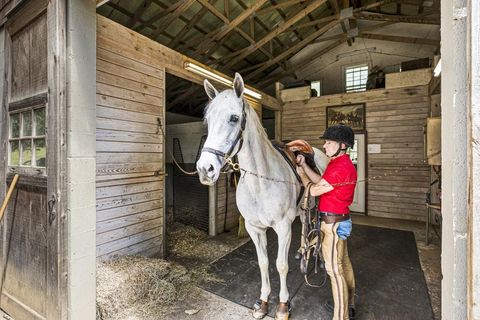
239 139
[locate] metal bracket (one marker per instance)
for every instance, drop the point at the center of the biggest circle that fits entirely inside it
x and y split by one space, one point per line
51 209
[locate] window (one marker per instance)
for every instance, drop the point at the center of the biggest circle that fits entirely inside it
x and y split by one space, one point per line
27 146
315 85
356 78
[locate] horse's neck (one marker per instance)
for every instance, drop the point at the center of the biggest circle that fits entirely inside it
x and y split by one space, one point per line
257 153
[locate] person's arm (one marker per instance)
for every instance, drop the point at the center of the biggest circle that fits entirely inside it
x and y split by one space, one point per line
320 186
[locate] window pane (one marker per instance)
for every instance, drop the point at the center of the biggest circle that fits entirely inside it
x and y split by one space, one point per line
40 152
27 124
14 153
15 125
26 152
39 121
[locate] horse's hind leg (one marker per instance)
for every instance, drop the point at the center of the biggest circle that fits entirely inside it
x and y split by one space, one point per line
259 238
284 233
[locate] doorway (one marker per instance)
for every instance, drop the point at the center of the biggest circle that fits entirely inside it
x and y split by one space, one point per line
357 154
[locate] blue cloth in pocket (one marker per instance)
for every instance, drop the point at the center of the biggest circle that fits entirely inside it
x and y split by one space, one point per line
344 229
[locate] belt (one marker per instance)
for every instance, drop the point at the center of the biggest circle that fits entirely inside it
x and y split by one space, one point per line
330 217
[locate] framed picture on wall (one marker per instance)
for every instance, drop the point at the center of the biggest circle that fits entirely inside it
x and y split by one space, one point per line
352 115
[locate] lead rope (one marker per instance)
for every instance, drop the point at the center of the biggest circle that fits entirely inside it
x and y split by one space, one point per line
191 173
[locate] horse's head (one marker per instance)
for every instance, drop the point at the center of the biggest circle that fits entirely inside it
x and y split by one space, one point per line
226 119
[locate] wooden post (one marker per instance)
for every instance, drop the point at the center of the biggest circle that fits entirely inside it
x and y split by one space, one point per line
7 198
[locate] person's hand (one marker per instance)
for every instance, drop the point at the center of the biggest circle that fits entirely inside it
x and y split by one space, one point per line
300 160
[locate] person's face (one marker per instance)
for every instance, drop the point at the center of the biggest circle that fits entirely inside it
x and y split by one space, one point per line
330 147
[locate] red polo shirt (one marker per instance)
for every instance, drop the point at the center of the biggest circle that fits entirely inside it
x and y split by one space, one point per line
341 174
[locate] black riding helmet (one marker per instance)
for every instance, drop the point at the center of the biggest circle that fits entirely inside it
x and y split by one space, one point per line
340 133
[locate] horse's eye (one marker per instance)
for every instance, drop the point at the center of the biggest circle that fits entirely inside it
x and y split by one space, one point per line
234 118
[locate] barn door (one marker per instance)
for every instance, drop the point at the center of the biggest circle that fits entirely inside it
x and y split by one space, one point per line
29 238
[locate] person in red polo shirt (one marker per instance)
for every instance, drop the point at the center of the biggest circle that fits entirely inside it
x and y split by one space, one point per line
335 189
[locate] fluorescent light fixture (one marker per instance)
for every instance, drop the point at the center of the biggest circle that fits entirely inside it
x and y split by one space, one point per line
213 76
438 68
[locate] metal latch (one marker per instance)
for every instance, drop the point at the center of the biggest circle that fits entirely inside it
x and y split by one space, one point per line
51 211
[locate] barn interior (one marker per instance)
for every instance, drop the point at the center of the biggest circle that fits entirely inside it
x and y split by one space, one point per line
373 64
313 50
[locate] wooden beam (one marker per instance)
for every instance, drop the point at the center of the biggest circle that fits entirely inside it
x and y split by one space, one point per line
395 18
165 22
101 2
413 40
294 49
284 4
231 25
281 28
179 36
337 16
219 15
292 69
138 13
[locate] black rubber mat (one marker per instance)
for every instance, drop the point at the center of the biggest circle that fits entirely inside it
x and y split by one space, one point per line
389 280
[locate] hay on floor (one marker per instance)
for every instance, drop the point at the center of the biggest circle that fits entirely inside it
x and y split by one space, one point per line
134 287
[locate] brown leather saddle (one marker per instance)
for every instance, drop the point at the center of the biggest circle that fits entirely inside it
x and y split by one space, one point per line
290 150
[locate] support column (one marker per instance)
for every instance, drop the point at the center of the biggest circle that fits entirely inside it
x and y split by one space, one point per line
473 48
81 152
454 158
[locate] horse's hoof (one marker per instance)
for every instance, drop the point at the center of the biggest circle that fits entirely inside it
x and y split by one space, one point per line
260 309
283 311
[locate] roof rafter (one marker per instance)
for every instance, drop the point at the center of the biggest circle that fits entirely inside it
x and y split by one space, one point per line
294 49
231 25
165 22
396 18
138 13
282 27
219 15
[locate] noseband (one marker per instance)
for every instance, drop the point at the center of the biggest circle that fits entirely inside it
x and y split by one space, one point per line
239 138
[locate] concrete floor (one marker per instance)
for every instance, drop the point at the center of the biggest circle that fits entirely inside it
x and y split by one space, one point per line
210 306
430 256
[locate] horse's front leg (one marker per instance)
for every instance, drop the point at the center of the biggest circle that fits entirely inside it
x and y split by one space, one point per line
284 233
259 238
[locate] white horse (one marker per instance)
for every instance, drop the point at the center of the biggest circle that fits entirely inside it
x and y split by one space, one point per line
268 188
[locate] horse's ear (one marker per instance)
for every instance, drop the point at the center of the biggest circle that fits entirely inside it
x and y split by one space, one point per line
238 85
210 89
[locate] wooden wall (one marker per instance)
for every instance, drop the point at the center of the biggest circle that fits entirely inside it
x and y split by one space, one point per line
130 163
226 204
394 119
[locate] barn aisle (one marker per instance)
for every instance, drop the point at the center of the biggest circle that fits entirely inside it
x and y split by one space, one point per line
390 281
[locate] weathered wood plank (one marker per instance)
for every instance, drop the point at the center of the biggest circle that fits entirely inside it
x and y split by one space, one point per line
128 200
150 70
107 101
121 125
108 67
117 92
111 169
118 212
113 191
124 157
121 238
